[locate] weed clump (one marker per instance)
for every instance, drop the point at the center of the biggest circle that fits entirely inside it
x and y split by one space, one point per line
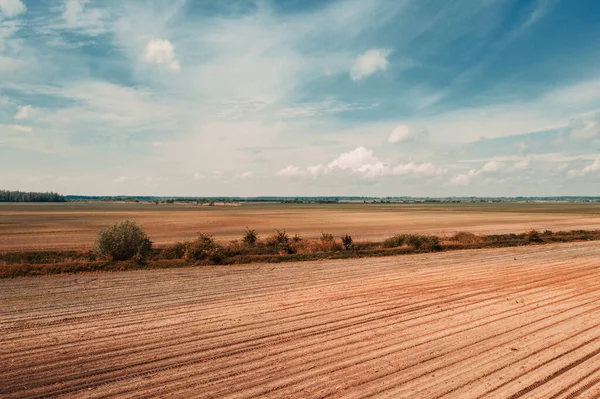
347 242
280 240
250 237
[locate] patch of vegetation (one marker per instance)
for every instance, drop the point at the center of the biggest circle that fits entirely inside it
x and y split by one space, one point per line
465 238
250 237
125 246
204 247
347 242
123 241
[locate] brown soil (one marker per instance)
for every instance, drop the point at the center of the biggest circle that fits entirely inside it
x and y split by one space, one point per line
75 225
512 322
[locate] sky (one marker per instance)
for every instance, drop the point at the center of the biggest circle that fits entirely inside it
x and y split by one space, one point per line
300 97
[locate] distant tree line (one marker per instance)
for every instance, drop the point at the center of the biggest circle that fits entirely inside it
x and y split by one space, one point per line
22 196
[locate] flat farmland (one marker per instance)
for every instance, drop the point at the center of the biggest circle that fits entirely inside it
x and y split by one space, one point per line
74 225
502 323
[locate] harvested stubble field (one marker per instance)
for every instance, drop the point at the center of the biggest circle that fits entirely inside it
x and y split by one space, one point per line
74 225
499 323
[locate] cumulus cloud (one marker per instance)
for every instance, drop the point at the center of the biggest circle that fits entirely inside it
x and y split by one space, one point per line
289 171
521 165
399 134
162 52
353 160
12 8
361 161
247 175
593 167
403 133
368 63
22 112
492 166
465 179
120 179
426 169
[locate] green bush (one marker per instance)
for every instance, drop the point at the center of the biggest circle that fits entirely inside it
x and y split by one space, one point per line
123 241
203 248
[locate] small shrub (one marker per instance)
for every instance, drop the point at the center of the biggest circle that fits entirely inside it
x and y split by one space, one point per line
297 238
534 236
425 242
250 237
203 248
123 241
326 237
548 232
281 241
347 242
396 241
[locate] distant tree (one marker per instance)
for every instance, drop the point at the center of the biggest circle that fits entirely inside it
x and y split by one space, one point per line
22 196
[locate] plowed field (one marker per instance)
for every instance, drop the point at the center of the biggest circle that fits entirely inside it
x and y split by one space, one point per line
74 225
502 323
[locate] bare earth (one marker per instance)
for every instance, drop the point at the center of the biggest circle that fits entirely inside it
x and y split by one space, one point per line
503 323
75 225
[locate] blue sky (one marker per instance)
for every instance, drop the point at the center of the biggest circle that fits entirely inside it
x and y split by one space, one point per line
301 97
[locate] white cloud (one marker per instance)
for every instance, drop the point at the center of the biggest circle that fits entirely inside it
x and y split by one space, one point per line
427 169
22 112
593 167
465 179
12 8
521 165
353 160
361 161
289 171
120 179
399 134
162 52
403 133
73 9
92 21
492 166
156 143
247 175
368 63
